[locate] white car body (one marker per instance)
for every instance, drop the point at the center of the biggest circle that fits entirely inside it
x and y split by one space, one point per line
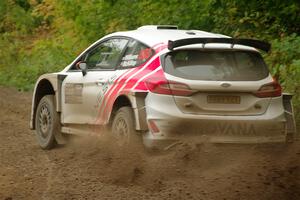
223 111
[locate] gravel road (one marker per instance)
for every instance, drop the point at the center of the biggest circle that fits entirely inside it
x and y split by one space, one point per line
95 168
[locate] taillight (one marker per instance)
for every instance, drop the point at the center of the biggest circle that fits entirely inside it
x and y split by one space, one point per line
163 86
272 89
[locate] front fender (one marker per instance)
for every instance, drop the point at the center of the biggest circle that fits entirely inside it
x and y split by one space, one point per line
46 84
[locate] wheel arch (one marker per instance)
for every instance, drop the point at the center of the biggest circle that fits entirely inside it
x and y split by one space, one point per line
135 100
120 101
48 84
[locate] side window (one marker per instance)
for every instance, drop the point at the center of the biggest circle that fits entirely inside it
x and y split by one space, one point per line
106 55
136 54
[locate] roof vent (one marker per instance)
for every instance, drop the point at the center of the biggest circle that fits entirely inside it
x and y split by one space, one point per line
190 33
158 27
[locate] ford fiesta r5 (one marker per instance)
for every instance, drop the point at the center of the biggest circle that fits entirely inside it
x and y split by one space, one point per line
165 85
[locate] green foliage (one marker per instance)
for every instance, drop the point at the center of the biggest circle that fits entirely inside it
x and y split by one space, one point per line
96 18
258 19
285 64
14 17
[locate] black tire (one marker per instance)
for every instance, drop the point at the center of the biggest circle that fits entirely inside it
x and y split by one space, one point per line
123 128
47 122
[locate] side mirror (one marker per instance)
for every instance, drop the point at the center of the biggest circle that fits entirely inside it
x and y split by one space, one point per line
83 67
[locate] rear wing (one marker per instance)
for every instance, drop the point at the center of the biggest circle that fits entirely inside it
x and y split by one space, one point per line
233 41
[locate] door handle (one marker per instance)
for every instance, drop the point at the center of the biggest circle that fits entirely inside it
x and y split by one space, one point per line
101 82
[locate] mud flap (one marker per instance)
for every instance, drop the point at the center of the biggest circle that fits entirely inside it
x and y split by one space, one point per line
59 136
138 103
289 115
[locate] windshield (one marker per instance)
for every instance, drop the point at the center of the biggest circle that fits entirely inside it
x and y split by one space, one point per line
216 65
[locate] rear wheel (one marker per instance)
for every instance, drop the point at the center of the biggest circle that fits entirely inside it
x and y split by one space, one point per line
123 129
47 122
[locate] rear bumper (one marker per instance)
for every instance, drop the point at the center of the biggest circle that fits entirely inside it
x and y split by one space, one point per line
159 143
176 126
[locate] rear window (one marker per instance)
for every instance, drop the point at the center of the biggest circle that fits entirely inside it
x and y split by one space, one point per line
216 65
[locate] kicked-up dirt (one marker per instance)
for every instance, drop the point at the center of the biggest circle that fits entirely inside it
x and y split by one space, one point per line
96 168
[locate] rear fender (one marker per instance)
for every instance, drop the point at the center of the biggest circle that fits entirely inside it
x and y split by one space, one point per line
136 100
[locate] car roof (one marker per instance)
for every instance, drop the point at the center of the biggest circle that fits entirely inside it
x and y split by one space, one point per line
152 35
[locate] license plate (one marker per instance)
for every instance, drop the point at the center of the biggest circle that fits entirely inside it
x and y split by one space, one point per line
223 99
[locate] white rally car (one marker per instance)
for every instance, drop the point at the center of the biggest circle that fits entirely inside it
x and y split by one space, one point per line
165 85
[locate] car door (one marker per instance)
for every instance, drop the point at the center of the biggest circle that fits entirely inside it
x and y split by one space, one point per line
82 94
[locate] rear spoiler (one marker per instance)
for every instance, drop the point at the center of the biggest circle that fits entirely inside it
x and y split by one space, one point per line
233 41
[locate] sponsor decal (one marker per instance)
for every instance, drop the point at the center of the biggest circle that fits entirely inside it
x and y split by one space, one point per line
73 93
130 80
127 84
226 129
104 89
129 60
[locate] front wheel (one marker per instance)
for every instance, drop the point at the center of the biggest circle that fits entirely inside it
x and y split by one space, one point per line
123 129
46 122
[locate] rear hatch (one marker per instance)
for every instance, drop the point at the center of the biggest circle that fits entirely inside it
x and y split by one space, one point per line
218 82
